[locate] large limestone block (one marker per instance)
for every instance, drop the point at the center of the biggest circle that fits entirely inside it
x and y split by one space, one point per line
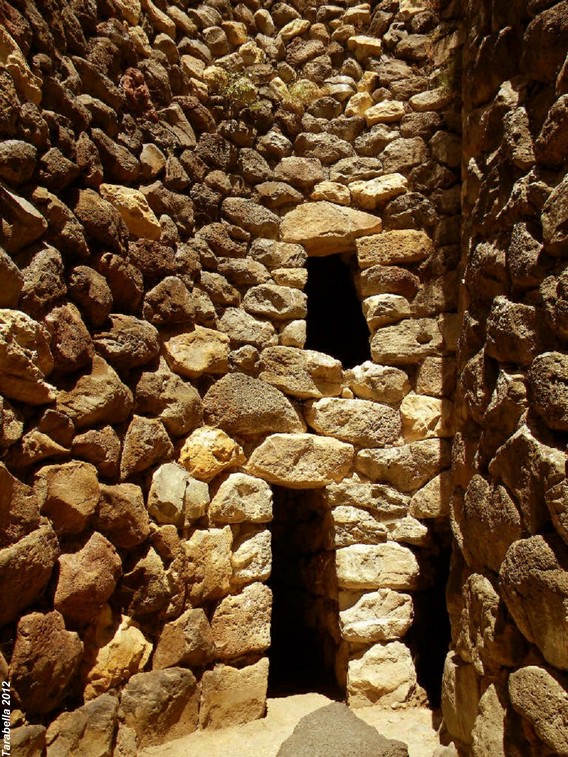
549 380
301 461
44 660
68 494
382 615
129 342
383 674
134 210
87 579
352 525
115 649
554 215
407 342
359 422
377 498
539 696
209 451
242 498
160 705
241 622
188 640
382 383
174 495
252 217
98 397
208 553
245 406
325 229
394 247
25 570
408 467
232 696
370 194
27 83
252 556
302 373
89 729
385 309
279 303
384 112
424 417
374 566
197 352
25 359
460 697
433 499
534 582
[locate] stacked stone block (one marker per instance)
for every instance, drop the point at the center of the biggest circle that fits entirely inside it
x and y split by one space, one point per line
165 173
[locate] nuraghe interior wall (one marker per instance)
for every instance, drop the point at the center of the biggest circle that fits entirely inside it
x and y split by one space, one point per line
166 170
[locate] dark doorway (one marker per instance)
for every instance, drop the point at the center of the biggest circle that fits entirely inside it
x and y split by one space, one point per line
430 635
335 323
304 634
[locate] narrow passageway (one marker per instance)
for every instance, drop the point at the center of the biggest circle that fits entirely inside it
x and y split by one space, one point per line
304 619
335 322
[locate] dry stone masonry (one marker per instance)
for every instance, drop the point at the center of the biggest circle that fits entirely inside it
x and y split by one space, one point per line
207 476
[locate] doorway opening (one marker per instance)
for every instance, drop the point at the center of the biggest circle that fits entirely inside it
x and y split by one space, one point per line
305 632
335 323
430 635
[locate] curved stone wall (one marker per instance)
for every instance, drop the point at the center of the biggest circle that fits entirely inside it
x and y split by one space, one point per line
505 683
165 174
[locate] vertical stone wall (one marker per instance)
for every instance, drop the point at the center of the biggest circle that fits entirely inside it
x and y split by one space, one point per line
165 172
505 680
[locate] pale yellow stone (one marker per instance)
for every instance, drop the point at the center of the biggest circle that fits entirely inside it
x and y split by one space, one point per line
368 82
140 41
241 622
152 159
26 82
242 498
130 10
384 675
359 104
374 566
252 556
364 46
251 54
382 615
209 569
384 309
208 451
295 278
370 194
231 696
294 29
114 653
435 99
385 112
293 334
433 499
408 530
332 191
158 19
196 352
236 32
424 417
301 461
195 68
134 210
394 247
325 228
488 735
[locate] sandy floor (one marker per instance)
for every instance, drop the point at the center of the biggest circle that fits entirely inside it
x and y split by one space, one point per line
262 738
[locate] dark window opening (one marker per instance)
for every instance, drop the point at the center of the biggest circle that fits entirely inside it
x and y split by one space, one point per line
430 635
335 322
304 633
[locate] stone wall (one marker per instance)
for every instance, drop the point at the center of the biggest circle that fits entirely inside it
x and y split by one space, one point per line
505 681
166 171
